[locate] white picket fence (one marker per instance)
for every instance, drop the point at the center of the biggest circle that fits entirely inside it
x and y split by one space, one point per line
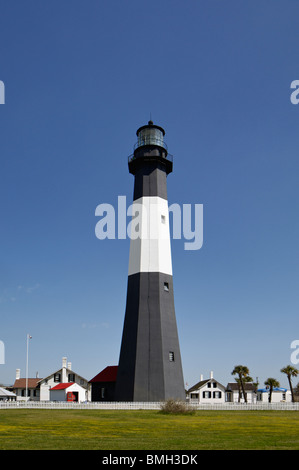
143 406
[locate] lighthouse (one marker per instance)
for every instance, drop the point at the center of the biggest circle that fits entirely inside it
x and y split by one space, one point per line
150 367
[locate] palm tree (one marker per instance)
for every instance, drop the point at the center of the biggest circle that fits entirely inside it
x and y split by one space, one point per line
271 383
242 372
290 371
246 379
239 389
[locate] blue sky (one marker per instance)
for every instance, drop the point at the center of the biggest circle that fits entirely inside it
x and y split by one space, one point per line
80 78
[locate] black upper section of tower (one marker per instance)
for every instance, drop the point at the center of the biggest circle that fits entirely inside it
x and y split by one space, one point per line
150 149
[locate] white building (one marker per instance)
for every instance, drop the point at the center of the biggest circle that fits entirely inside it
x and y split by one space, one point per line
279 394
207 391
68 392
234 393
26 389
64 375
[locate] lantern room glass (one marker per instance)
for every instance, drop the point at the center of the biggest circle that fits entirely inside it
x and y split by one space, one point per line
150 136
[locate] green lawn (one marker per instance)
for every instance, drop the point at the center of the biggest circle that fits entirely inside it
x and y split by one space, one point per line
148 430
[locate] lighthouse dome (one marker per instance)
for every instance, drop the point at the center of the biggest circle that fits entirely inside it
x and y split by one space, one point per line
150 135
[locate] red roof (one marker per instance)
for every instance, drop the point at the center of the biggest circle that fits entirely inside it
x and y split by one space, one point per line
107 375
21 383
62 386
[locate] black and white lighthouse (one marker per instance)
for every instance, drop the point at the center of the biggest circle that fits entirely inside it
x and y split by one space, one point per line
150 367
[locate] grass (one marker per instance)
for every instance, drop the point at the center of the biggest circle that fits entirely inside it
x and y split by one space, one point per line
148 430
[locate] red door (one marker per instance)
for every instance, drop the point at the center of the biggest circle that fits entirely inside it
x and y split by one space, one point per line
70 396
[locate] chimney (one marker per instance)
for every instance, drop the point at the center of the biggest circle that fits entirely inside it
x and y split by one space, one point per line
18 374
211 374
63 372
201 377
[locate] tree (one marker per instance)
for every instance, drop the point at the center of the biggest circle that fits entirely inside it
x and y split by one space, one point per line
271 383
239 389
290 371
245 379
243 373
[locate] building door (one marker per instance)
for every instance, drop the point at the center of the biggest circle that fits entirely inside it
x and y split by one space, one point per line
72 396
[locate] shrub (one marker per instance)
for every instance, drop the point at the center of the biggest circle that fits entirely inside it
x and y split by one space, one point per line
176 407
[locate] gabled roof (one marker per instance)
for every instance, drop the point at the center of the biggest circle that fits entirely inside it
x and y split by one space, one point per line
234 386
60 371
198 385
21 383
107 375
62 386
202 383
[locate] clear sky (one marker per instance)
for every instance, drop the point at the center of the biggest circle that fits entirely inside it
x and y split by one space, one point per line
80 78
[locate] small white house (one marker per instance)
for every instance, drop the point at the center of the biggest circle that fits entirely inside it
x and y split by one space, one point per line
64 375
207 391
279 394
70 392
234 393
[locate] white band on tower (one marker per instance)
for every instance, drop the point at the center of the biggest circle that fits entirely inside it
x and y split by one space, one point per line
150 249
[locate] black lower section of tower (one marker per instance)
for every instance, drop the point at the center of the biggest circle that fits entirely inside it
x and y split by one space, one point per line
150 362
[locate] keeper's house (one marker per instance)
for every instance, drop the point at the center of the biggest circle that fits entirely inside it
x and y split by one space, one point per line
64 377
207 391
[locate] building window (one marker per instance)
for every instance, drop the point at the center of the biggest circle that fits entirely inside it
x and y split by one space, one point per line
56 377
206 395
216 394
166 286
171 356
71 377
214 384
103 392
209 384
